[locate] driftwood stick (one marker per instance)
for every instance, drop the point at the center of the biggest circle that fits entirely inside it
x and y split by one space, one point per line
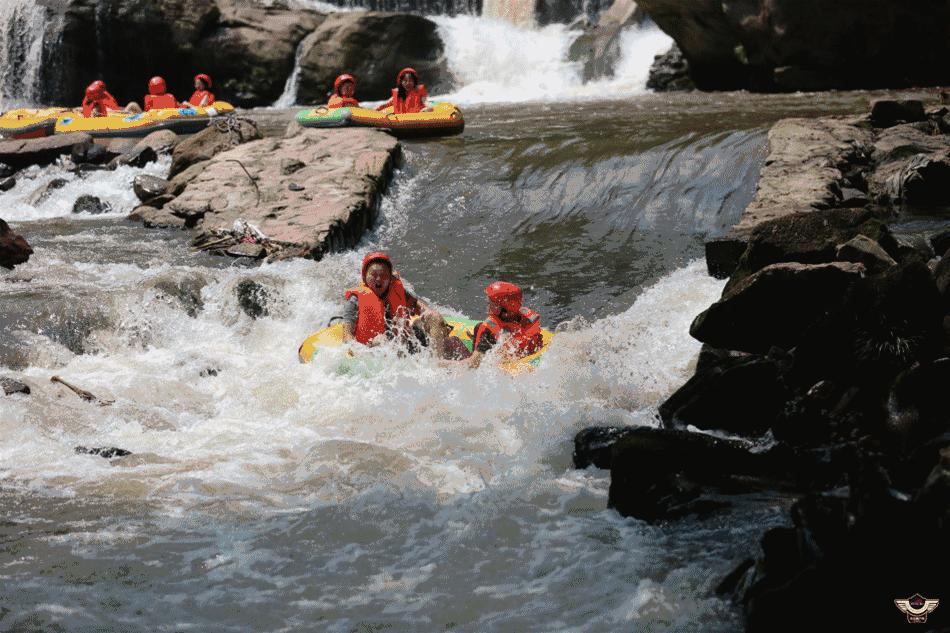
82 393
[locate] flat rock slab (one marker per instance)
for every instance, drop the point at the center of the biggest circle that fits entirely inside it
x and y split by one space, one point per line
802 173
40 151
325 204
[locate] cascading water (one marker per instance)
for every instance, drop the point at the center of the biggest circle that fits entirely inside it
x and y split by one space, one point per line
267 495
517 12
22 28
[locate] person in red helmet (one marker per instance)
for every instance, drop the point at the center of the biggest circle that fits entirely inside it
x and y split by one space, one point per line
158 97
98 102
381 306
344 87
408 95
202 96
516 327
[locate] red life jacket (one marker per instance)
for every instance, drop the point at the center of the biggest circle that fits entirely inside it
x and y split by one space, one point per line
198 95
336 101
156 102
100 106
414 101
525 333
371 314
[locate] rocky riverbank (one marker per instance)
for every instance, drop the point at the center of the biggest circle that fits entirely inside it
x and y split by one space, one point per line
827 362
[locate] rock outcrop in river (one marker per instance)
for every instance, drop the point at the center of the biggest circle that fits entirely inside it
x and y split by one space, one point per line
789 45
13 248
829 352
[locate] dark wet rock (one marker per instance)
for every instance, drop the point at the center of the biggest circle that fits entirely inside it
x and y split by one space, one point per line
91 205
742 397
923 181
108 452
139 157
853 198
663 473
40 151
292 186
253 251
44 191
184 291
8 183
919 404
84 169
898 143
90 153
941 242
670 72
253 298
775 306
942 280
891 112
147 187
290 165
209 372
6 171
11 386
373 47
210 141
808 238
792 45
594 445
863 250
154 218
13 248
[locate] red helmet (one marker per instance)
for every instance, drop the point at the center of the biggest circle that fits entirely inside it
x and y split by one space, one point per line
205 78
504 295
407 71
95 89
156 86
339 81
375 256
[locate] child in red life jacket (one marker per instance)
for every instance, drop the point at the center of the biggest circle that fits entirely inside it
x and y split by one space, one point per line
408 95
98 102
344 89
202 96
157 96
380 308
517 327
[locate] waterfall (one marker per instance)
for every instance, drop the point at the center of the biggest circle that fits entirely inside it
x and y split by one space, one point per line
22 28
288 97
419 7
518 12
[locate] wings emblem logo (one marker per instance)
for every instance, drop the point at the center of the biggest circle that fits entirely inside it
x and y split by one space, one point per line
916 608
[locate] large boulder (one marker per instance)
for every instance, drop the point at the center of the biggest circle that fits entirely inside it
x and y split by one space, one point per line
225 134
247 48
670 72
374 47
776 306
13 249
598 47
324 204
808 44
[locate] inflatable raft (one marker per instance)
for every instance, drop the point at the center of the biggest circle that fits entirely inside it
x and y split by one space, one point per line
332 336
24 123
445 119
121 124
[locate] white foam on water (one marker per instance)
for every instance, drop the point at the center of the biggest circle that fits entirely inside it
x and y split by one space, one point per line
24 202
496 61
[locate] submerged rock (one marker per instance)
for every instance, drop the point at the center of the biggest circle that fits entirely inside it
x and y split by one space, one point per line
108 452
8 183
91 205
253 298
11 386
155 218
13 248
44 191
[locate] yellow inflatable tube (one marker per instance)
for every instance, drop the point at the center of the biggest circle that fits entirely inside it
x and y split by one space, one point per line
332 336
123 124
